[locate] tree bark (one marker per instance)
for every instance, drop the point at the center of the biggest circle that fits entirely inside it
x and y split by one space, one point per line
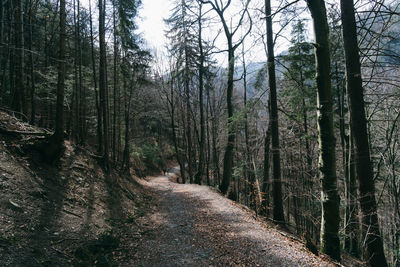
98 106
81 92
200 172
103 83
330 220
228 156
373 251
54 150
31 69
18 100
116 89
278 214
219 8
174 137
266 178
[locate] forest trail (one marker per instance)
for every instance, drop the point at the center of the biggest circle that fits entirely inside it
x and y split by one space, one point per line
193 225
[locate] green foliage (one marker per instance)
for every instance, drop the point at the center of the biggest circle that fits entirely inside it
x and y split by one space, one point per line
97 252
239 117
127 11
150 153
261 78
238 170
299 77
183 37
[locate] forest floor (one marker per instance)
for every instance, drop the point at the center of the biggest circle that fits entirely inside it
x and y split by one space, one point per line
73 214
68 214
194 225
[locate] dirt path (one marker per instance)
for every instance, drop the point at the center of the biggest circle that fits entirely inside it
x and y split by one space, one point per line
195 226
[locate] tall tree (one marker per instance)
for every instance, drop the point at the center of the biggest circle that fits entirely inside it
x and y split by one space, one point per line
18 102
373 253
278 214
99 128
330 219
54 150
230 32
31 14
202 143
183 47
299 90
115 84
103 82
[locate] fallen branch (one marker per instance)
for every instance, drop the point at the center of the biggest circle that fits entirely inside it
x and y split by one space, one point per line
64 239
13 132
71 213
62 253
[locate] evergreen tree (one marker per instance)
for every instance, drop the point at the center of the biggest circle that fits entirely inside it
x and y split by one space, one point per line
299 90
184 48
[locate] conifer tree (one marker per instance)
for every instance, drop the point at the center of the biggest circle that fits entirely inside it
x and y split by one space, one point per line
184 48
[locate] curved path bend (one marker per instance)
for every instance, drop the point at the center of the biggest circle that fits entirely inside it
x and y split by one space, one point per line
195 226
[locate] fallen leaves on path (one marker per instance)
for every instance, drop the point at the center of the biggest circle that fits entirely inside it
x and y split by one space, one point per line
195 226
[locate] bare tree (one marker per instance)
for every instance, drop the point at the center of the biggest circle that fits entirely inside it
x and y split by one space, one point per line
374 253
330 243
230 32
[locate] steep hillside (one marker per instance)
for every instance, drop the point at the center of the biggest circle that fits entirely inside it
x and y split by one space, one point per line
67 214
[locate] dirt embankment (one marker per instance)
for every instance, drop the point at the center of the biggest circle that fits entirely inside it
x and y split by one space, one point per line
63 215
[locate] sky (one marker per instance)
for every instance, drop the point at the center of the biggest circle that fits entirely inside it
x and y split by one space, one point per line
152 28
151 23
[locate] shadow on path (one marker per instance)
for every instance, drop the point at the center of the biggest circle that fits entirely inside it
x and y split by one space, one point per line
194 226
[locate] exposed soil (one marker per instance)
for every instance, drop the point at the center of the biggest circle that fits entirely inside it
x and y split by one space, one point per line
63 215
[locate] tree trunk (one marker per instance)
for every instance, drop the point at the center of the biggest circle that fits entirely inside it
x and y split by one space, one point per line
31 69
278 214
3 53
228 156
98 106
174 137
214 132
266 179
330 220
54 150
81 92
18 100
200 172
115 122
208 139
103 83
75 93
188 121
373 251
125 161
